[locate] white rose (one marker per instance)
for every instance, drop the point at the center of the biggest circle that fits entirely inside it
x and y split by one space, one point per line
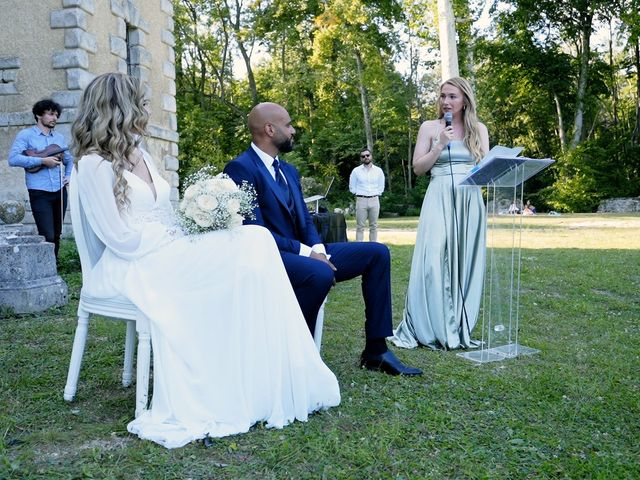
207 203
203 220
233 205
227 185
190 192
191 210
210 185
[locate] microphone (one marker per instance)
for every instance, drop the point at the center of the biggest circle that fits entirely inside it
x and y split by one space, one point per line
448 118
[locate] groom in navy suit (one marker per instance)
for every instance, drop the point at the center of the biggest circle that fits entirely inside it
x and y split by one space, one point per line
313 267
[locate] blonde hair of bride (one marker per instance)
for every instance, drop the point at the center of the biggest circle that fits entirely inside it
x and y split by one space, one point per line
470 118
111 119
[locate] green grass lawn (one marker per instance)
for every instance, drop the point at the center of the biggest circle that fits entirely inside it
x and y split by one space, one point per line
571 411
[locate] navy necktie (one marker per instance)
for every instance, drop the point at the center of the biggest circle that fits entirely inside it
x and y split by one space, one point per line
279 178
282 183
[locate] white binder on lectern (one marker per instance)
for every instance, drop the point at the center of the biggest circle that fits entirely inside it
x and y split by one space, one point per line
503 167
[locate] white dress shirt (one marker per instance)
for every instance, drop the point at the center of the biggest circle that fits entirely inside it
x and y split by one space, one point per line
268 161
367 181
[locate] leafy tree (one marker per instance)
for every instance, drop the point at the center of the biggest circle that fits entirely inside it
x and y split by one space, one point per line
334 65
528 75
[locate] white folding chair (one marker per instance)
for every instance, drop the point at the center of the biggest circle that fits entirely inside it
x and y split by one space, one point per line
117 308
317 333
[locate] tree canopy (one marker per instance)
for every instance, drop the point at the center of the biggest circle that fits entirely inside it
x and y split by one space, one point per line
356 74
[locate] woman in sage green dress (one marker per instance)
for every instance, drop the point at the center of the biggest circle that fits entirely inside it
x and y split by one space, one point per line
447 270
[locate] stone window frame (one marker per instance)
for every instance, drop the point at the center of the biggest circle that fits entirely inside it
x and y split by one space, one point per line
9 67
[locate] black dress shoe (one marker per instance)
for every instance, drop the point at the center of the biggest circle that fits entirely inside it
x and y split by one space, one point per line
387 362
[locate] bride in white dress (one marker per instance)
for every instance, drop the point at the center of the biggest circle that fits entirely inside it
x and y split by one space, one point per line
230 344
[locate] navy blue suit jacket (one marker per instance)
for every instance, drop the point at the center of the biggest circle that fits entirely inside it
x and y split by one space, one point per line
271 211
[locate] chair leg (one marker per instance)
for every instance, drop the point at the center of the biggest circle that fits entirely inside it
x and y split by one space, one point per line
317 334
142 371
79 342
129 344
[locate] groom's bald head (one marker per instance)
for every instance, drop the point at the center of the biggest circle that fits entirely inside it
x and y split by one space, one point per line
270 127
263 114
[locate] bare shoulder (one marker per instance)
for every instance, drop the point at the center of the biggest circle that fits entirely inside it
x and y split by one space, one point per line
429 130
484 137
430 126
484 132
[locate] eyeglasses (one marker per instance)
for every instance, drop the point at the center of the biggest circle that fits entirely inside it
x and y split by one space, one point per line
364 155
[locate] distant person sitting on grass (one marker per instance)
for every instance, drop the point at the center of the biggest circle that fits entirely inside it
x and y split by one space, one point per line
529 209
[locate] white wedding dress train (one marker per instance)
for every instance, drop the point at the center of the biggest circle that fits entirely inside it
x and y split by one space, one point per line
230 344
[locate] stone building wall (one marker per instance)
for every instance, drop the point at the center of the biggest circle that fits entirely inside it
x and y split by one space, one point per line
54 48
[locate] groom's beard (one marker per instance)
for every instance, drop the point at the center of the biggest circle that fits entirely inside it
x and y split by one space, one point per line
285 145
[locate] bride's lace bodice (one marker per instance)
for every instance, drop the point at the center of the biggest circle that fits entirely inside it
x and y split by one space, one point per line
145 209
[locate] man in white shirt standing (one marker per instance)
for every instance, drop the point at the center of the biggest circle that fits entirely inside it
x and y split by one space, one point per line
367 184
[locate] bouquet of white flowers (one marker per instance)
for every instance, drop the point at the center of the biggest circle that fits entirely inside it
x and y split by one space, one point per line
214 202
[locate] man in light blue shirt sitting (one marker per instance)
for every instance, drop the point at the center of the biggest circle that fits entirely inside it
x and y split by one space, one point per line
44 155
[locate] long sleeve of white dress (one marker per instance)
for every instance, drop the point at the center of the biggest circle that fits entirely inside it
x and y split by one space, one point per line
122 237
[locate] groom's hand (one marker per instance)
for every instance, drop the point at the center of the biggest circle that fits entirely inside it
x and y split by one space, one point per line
323 258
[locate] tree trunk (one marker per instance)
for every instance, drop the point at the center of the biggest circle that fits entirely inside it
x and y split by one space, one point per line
364 98
236 25
635 136
250 77
561 133
387 171
283 60
578 123
407 187
447 35
224 57
614 83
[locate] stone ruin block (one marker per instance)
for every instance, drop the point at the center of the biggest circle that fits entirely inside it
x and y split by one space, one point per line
29 281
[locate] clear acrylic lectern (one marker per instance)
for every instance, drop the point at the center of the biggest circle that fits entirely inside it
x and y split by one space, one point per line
503 174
